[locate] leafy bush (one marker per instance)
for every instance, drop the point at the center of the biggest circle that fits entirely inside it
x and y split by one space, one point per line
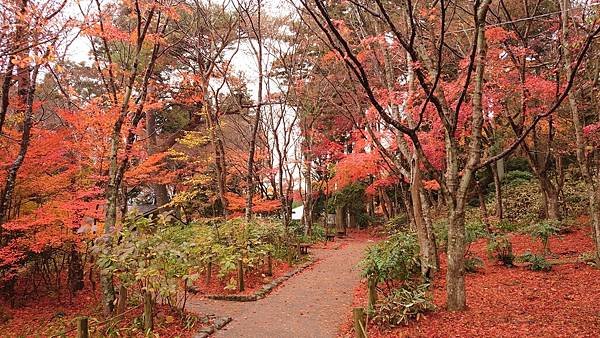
156 256
396 224
318 233
515 163
396 258
589 258
352 197
507 226
473 264
524 203
537 262
543 231
474 230
517 177
500 248
222 244
402 305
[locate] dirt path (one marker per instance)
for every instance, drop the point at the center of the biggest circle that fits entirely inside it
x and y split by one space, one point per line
311 304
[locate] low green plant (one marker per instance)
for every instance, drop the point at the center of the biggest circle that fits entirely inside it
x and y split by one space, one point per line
589 258
409 302
507 226
537 262
396 224
474 230
517 177
543 231
152 255
500 248
395 259
473 264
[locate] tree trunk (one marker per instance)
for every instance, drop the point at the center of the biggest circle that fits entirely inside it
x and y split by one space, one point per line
455 277
148 316
161 195
26 85
498 192
431 240
550 194
75 271
256 123
482 206
307 214
424 245
592 180
340 218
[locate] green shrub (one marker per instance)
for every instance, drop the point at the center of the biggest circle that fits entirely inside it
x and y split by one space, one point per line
537 262
524 203
396 258
507 226
543 231
318 233
474 230
517 177
473 264
589 258
500 248
410 302
154 255
396 224
517 164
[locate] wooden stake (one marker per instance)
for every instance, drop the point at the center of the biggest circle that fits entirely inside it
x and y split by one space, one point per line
82 328
372 282
208 272
269 264
122 303
148 320
240 276
359 322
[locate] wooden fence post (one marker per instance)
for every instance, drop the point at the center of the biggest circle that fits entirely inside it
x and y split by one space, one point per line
82 327
148 320
240 275
208 272
122 303
269 264
360 329
372 282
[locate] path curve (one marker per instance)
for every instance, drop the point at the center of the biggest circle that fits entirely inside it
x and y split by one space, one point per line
313 303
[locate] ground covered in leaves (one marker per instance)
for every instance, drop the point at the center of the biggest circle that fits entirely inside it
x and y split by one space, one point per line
49 316
514 302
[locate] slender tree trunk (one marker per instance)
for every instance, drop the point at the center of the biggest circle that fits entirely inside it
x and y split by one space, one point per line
307 214
550 194
482 206
116 170
256 123
431 240
161 194
455 277
592 180
424 245
219 151
498 192
26 86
